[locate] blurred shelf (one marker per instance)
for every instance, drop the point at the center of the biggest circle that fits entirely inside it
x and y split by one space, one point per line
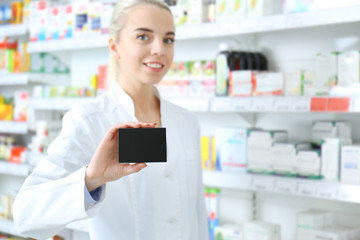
60 104
37 78
231 27
13 127
284 185
9 228
13 30
21 170
69 44
269 104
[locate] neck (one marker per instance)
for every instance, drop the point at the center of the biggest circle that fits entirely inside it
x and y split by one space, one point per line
142 95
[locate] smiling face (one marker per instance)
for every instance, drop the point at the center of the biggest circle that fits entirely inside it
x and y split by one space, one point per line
145 48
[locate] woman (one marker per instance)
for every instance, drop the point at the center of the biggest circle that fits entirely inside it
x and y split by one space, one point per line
81 177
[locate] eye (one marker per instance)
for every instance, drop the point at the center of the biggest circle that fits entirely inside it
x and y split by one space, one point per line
143 37
169 40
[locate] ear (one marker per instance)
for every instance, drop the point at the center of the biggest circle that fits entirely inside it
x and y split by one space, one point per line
113 48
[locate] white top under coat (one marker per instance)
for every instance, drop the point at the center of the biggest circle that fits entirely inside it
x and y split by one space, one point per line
162 201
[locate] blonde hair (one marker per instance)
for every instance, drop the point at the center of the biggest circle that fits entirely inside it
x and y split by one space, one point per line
117 23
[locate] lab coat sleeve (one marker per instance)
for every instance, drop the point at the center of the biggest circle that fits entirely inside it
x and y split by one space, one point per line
53 195
201 214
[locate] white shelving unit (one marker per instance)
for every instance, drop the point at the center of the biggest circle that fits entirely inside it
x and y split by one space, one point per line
282 38
266 104
21 170
284 185
13 30
13 127
214 30
35 78
61 104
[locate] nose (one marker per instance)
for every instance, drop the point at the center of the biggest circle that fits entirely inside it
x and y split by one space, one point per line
157 47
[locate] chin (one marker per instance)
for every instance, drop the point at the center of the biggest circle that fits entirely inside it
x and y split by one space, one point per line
152 80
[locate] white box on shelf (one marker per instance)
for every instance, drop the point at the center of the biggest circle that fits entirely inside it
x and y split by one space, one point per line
330 158
269 83
308 163
259 8
231 149
262 230
326 72
350 165
314 219
241 83
284 157
349 68
293 83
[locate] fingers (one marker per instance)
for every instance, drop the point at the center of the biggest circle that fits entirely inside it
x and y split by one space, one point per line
112 133
132 168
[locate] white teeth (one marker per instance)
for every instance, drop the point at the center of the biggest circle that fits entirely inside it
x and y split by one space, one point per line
153 65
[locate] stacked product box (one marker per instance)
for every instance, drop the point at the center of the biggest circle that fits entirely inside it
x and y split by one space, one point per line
262 230
260 143
189 78
308 163
241 83
51 21
319 224
231 149
331 129
284 157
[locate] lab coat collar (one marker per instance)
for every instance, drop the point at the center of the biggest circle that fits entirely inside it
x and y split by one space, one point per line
126 101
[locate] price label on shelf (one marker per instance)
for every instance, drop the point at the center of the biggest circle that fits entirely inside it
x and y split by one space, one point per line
241 104
355 104
229 27
287 186
306 189
349 193
294 21
272 22
282 104
221 104
263 184
249 25
326 191
300 104
262 104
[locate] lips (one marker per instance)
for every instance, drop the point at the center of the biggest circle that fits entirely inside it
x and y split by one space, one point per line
156 65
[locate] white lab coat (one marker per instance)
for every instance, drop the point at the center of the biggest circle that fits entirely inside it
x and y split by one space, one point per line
162 201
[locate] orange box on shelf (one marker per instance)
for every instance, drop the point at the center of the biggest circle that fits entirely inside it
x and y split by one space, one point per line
16 154
319 104
339 104
6 112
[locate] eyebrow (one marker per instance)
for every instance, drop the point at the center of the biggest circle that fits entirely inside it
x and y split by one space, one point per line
151 31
